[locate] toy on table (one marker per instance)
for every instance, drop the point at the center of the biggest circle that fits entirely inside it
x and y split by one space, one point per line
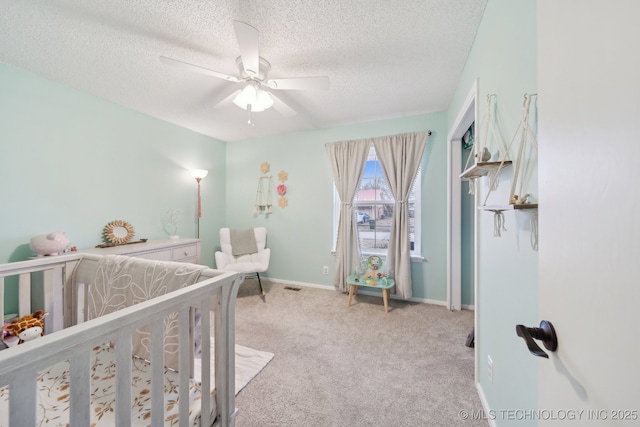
370 272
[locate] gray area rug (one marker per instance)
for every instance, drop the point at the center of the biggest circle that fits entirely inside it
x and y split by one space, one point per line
336 365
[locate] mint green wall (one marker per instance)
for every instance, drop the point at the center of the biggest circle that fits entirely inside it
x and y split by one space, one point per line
73 162
300 235
503 58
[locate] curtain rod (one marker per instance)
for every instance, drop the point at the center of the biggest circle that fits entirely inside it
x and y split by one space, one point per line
382 136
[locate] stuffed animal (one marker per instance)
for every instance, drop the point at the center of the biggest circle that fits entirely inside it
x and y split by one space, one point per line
28 327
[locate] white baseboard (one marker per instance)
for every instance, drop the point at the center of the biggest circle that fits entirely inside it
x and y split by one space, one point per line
485 405
427 301
471 307
360 291
303 284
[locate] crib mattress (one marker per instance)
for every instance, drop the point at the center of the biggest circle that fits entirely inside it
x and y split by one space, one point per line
54 398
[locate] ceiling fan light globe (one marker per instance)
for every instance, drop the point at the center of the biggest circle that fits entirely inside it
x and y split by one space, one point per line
265 101
246 96
253 96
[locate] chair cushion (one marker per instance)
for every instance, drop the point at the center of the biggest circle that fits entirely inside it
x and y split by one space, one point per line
245 267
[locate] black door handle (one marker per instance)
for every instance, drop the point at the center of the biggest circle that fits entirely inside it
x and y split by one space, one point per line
545 333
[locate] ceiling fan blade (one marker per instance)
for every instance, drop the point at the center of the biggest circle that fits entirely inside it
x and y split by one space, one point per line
186 65
281 107
299 83
247 37
224 97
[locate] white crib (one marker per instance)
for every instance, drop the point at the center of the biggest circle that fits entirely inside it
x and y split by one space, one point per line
52 284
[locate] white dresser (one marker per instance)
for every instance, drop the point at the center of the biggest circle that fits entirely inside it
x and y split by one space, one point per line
41 284
181 250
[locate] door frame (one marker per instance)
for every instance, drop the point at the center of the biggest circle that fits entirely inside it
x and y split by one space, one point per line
467 115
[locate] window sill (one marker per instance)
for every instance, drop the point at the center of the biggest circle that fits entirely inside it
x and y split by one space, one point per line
414 258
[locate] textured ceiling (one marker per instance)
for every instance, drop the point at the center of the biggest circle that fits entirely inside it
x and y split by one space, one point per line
384 58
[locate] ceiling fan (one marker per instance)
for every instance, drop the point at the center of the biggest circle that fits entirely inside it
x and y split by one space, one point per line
257 94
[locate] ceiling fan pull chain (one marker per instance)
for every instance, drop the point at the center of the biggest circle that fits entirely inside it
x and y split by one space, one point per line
249 112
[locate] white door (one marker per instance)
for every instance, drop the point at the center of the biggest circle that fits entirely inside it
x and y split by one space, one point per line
589 216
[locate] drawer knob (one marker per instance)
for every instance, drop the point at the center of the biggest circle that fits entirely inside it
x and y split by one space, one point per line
186 253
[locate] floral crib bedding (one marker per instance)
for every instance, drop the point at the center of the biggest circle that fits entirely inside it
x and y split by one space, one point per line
54 397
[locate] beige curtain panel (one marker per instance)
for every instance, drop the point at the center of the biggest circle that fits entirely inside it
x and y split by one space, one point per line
400 157
347 160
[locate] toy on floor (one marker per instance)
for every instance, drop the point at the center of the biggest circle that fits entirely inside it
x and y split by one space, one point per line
28 327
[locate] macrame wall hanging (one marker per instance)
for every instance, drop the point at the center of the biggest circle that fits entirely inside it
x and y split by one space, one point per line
518 197
263 201
488 136
522 169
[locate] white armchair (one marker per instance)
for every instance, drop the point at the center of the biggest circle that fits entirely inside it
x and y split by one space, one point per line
249 264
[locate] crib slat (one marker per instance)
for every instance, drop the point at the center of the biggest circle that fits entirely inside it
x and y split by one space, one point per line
22 402
225 353
24 294
69 294
205 325
184 358
80 292
2 297
123 379
157 373
52 302
80 379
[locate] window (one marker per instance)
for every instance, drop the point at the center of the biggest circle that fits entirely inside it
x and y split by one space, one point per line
374 209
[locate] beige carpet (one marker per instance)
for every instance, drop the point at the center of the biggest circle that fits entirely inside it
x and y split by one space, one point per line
354 366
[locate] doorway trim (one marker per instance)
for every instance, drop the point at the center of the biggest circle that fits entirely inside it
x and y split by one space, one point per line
467 115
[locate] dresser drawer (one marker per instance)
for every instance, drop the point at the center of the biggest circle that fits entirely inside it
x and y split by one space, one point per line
155 255
181 250
190 251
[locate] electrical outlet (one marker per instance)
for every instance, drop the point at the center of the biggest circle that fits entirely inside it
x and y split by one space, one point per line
490 368
325 269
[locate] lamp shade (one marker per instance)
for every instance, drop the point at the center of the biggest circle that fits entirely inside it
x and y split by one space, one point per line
198 173
253 96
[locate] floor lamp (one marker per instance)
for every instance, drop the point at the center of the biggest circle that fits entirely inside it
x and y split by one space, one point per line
198 174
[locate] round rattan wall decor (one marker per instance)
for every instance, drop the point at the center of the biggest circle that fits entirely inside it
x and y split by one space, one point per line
119 232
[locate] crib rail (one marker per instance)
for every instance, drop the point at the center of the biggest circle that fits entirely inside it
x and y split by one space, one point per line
41 283
216 291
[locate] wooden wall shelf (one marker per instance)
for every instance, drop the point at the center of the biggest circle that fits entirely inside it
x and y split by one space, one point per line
482 169
508 207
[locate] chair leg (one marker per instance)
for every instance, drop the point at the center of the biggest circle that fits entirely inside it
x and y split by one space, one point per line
260 283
